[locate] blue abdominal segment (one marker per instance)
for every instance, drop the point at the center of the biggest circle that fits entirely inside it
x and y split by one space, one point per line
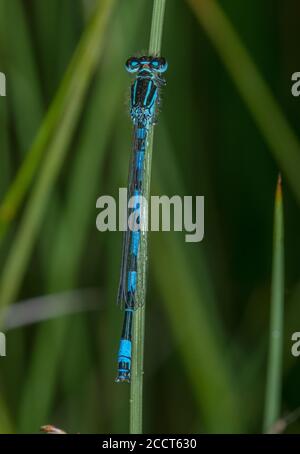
124 360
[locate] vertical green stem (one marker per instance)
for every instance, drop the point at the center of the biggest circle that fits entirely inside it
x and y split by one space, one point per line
136 390
273 390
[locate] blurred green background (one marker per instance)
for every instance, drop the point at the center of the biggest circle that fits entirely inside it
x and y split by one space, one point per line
208 304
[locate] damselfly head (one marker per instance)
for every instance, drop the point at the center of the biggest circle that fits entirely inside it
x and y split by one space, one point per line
155 64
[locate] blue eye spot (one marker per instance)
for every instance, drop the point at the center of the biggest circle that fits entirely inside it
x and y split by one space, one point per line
132 65
159 64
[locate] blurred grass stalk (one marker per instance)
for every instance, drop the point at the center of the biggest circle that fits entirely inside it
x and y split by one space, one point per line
63 115
67 101
136 389
274 373
256 94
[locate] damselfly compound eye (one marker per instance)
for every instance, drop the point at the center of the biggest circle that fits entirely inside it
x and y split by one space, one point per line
159 64
132 65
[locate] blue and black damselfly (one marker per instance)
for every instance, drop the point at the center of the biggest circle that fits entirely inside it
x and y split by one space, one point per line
144 102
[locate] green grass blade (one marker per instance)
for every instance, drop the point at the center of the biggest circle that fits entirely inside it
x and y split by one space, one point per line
55 38
63 112
257 96
274 373
73 93
136 389
21 70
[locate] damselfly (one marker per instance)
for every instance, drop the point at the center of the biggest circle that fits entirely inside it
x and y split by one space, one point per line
144 101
